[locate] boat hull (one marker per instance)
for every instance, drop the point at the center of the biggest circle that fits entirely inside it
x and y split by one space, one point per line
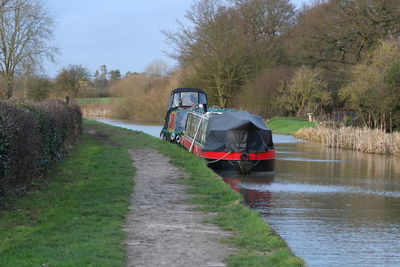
255 167
232 162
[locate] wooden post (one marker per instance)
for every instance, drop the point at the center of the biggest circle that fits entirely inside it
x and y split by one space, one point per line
310 118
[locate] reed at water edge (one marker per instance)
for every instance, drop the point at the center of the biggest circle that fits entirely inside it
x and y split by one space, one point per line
361 139
96 107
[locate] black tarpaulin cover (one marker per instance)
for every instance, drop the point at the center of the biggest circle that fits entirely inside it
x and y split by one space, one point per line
237 132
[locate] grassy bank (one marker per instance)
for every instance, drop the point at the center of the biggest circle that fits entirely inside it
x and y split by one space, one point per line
285 125
256 241
93 100
74 217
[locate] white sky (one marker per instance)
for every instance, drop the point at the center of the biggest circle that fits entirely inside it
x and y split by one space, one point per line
121 34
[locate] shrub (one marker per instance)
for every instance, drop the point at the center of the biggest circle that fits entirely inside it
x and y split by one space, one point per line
33 136
375 87
260 96
19 142
306 93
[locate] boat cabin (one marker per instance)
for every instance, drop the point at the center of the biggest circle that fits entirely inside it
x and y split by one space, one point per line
186 98
181 100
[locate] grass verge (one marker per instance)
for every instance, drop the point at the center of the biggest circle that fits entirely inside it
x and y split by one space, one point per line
75 218
285 125
257 243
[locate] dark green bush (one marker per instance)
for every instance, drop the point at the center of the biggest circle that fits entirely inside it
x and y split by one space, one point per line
19 142
33 136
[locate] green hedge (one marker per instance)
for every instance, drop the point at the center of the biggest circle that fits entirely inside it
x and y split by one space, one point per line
32 136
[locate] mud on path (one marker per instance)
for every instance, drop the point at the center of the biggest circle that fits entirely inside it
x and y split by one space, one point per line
163 229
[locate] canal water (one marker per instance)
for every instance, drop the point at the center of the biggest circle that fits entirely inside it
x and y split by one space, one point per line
334 207
150 129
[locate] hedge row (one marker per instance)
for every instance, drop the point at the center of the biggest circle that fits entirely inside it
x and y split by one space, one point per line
33 136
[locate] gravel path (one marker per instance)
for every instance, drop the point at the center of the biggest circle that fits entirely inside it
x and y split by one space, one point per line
163 229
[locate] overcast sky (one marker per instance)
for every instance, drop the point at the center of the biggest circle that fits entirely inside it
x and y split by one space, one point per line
121 34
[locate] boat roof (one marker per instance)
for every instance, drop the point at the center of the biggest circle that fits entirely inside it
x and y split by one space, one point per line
180 90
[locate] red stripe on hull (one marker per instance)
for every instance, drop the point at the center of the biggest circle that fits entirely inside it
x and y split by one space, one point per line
270 154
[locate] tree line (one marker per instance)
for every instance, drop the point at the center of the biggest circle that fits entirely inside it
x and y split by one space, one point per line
74 81
267 57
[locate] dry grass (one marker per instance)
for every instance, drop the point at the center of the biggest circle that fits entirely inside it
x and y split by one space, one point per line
144 97
361 139
96 107
97 110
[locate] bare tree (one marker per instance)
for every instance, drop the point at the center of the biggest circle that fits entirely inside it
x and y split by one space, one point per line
335 34
73 81
157 68
25 28
267 18
229 42
217 49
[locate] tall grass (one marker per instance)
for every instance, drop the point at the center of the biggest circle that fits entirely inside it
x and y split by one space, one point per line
96 107
361 139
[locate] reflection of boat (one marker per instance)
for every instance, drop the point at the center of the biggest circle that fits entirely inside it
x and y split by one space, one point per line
253 198
230 140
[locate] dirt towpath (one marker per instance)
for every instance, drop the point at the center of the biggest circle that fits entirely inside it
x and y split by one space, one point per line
163 228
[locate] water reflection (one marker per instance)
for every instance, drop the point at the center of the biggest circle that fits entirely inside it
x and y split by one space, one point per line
334 207
255 198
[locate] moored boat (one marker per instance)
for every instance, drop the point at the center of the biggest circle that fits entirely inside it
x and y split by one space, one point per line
230 140
181 100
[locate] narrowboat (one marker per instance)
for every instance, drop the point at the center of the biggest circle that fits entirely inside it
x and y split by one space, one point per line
180 102
230 140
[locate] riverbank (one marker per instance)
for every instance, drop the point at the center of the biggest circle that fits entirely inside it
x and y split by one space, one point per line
284 125
77 219
367 140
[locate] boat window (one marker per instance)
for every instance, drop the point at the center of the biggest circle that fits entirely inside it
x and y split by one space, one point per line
191 127
204 127
171 99
175 101
189 98
203 99
202 130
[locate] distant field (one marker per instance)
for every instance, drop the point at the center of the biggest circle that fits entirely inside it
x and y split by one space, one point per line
96 100
288 125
